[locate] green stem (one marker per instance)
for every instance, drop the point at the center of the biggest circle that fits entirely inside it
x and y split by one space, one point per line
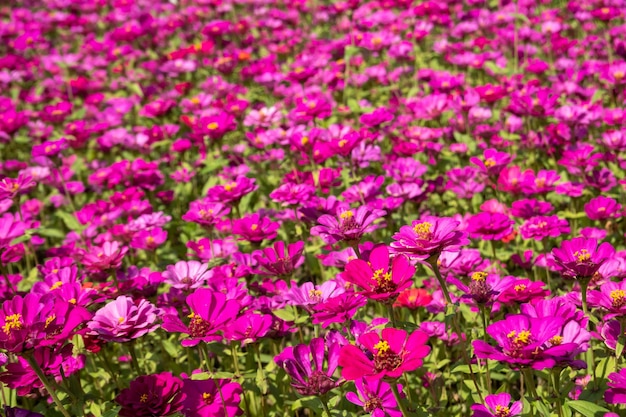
233 350
396 394
391 314
133 357
457 328
324 406
42 377
556 380
483 310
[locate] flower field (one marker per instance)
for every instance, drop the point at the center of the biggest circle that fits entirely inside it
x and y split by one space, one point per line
302 208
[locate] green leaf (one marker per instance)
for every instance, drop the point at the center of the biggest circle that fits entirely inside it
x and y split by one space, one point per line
69 220
587 409
54 233
112 413
286 314
306 402
521 17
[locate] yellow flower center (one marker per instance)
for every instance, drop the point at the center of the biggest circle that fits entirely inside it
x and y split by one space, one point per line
304 140
423 230
121 319
382 277
342 143
521 338
50 319
618 298
502 411
56 285
520 287
347 214
490 162
582 256
556 340
382 347
230 186
479 276
254 227
195 100
212 126
12 322
207 397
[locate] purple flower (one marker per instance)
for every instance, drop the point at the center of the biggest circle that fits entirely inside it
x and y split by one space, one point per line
541 227
37 321
581 257
492 163
205 213
530 208
305 365
152 395
123 320
211 398
210 313
376 398
611 297
11 227
483 288
524 341
348 226
616 394
497 405
428 237
276 261
338 309
255 228
489 226
186 275
249 328
602 208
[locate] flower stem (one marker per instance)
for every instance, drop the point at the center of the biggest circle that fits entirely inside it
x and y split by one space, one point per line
556 380
392 316
42 377
483 310
455 323
396 394
133 357
325 406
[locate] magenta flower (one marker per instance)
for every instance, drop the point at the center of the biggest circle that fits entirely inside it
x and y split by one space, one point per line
497 405
338 309
348 226
524 341
211 398
249 328
428 237
210 313
11 227
483 288
582 257
305 364
38 320
602 208
152 395
616 394
12 187
232 191
489 226
610 297
377 278
290 193
123 320
103 258
523 291
205 213
186 275
149 239
389 354
276 261
530 208
19 412
492 163
376 398
255 228
541 227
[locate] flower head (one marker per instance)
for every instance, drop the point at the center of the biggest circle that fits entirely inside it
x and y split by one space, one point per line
498 405
123 320
150 395
428 237
582 257
348 226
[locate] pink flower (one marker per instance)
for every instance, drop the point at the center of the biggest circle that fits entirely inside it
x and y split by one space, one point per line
428 237
211 311
123 320
187 275
275 261
378 280
348 225
255 228
211 398
389 354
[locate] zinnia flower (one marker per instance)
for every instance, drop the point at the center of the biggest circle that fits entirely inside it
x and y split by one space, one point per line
616 394
428 237
123 320
348 226
210 312
305 365
377 278
582 257
389 354
152 395
186 275
497 405
376 398
211 398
